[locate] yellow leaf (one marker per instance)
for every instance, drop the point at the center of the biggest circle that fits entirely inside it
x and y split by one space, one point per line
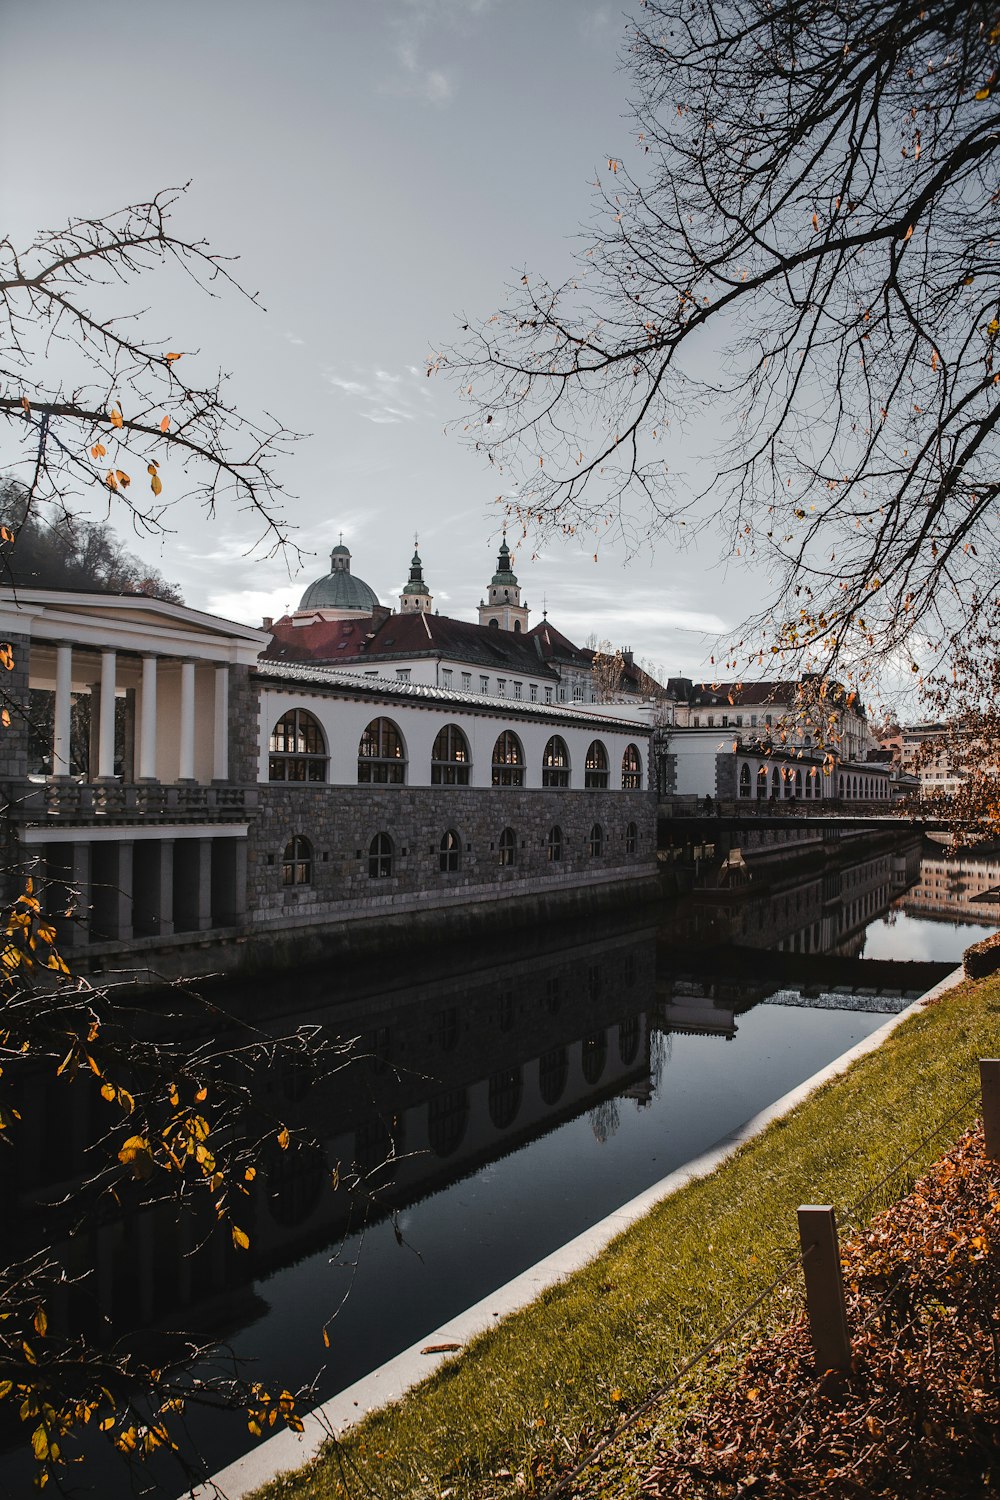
108 1092
164 424
40 1443
136 1153
41 1321
326 1338
284 1139
98 450
115 417
6 1386
250 1174
156 484
240 1238
616 1394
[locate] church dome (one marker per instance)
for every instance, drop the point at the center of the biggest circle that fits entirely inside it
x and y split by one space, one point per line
339 589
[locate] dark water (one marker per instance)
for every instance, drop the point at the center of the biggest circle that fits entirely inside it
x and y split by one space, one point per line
525 1095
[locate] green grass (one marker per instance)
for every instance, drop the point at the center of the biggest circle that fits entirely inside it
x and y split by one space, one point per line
542 1384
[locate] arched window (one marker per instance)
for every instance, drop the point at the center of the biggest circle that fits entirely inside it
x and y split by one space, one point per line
508 847
554 847
775 783
380 857
447 1118
297 862
517 627
381 757
504 1097
798 781
555 763
596 841
841 786
631 838
595 1052
450 758
761 781
596 770
744 780
553 1069
297 749
494 624
631 769
450 854
508 760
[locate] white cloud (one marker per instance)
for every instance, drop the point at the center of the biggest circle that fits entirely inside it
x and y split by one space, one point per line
387 398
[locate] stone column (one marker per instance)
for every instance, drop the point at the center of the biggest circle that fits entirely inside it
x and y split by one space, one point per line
204 917
64 702
122 904
220 765
147 729
186 768
106 733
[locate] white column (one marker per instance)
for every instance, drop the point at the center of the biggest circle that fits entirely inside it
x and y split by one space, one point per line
147 730
220 764
64 700
106 742
186 769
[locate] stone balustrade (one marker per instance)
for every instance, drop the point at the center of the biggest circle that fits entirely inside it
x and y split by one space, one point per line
71 801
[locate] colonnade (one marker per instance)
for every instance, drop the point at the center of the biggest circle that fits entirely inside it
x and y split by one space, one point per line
149 765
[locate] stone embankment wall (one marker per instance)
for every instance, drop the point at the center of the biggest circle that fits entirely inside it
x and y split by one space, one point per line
341 823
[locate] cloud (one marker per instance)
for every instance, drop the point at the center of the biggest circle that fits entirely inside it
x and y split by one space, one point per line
382 396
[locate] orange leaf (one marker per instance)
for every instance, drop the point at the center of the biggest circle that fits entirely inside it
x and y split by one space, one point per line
164 424
171 357
240 1239
156 484
122 478
25 403
115 417
98 450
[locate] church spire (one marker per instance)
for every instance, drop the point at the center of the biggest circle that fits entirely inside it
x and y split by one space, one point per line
416 597
502 609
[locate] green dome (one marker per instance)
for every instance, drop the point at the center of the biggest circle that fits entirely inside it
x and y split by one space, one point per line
339 589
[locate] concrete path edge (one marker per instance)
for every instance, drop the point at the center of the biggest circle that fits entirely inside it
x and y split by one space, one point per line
289 1450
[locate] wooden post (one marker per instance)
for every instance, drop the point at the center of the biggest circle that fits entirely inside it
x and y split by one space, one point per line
989 1079
824 1287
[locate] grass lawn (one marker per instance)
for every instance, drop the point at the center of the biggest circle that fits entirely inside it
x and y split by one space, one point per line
532 1395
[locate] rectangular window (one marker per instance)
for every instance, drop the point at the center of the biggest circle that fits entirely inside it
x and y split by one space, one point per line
739 721
534 692
467 681
725 721
711 721
517 689
562 695
753 721
484 684
697 721
403 673
501 687
548 695
446 676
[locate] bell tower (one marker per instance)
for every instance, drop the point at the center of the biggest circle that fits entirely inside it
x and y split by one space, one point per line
502 609
416 597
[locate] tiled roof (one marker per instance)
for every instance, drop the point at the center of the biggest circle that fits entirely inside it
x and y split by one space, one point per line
354 685
407 635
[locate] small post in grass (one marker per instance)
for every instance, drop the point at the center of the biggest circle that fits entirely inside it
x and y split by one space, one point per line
824 1287
989 1079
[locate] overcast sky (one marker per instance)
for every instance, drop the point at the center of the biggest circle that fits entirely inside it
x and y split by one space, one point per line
383 170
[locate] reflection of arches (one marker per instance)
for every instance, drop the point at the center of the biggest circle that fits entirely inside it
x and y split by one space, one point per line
382 754
628 1041
505 1097
596 767
294 1183
553 1069
594 1055
450 758
447 1119
631 769
744 780
508 760
555 762
297 748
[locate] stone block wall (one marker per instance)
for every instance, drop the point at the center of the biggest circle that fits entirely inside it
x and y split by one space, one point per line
244 715
341 822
